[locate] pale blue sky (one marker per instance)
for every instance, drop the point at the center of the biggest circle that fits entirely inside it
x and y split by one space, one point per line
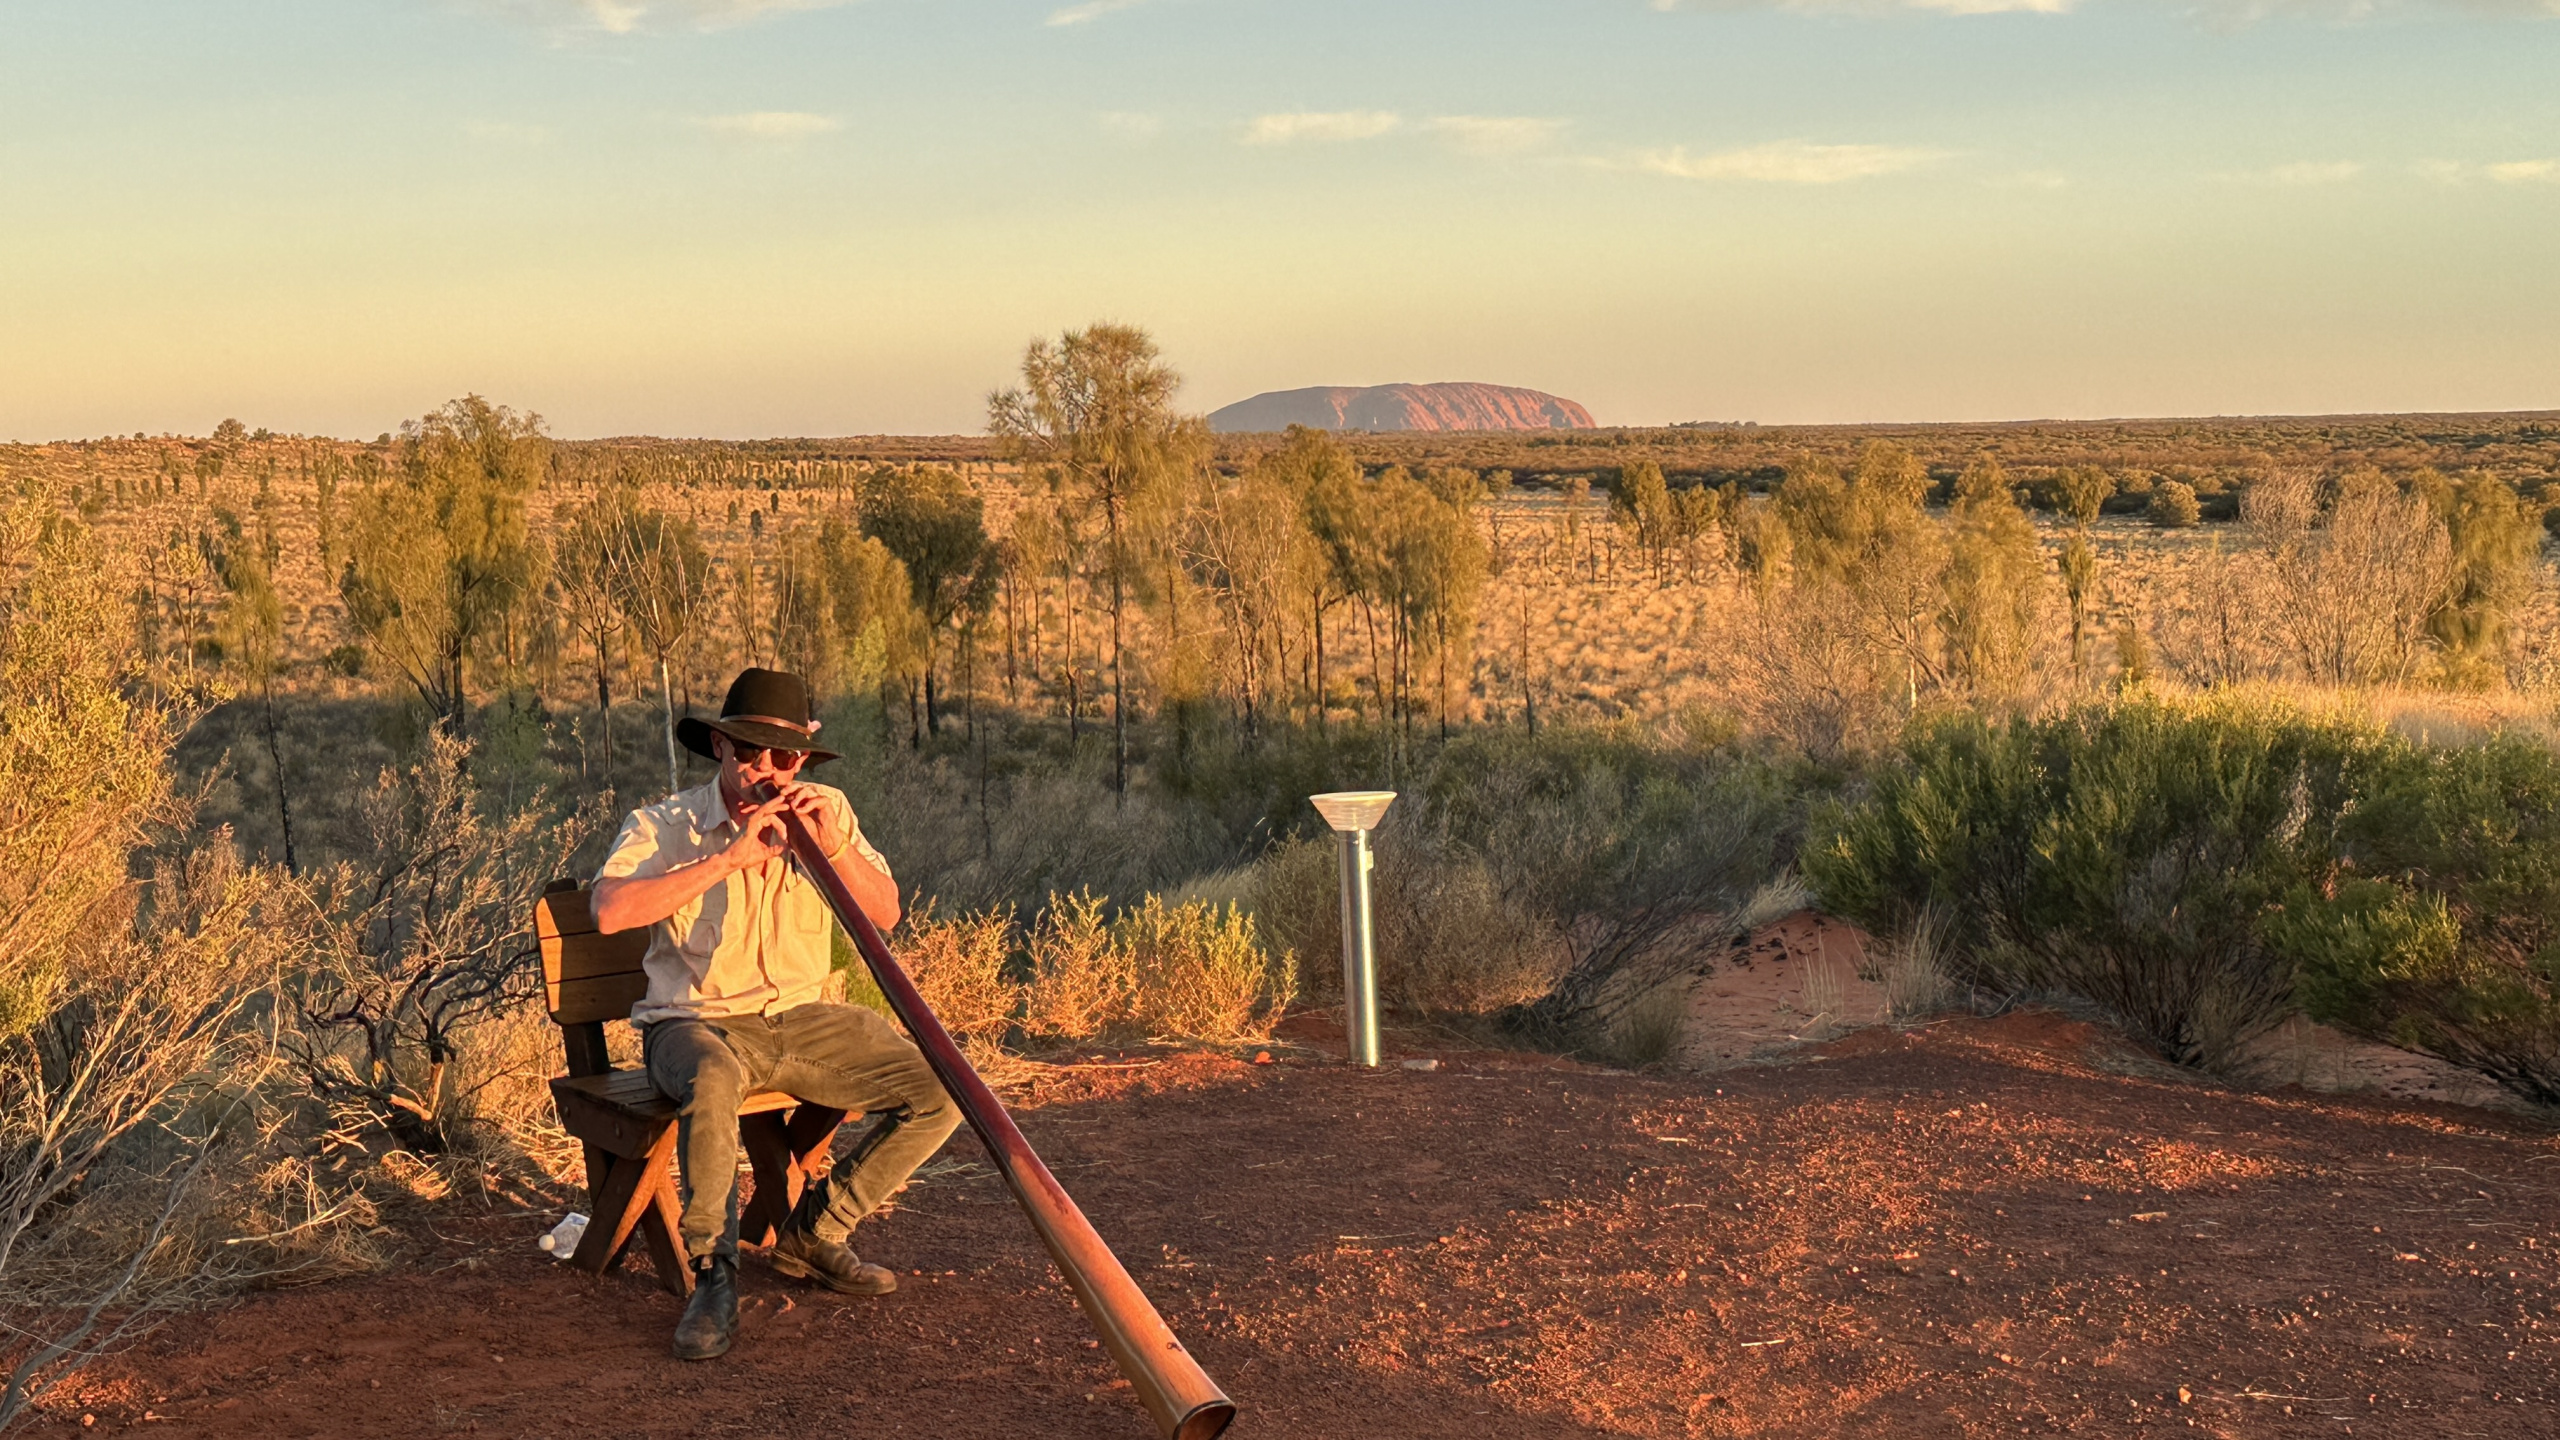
743 217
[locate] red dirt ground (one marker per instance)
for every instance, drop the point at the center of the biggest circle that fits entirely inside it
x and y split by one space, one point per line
1977 1228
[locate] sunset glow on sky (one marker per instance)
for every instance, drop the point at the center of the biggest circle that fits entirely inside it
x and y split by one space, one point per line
760 217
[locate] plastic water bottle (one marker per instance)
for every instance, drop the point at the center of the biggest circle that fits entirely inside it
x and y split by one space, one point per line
562 1242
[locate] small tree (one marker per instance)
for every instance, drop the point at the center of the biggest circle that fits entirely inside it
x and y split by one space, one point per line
1641 502
582 571
251 635
659 574
1869 531
1993 585
439 557
2496 540
2356 579
1096 407
2084 490
935 524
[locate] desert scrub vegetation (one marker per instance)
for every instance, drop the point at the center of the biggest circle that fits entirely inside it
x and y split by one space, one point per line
2202 868
2125 853
2437 928
1182 971
133 959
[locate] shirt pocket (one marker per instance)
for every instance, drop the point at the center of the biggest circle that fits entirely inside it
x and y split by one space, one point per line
697 925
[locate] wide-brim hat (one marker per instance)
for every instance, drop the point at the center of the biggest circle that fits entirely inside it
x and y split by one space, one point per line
764 707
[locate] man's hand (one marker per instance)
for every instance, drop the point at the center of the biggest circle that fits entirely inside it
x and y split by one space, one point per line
806 802
761 835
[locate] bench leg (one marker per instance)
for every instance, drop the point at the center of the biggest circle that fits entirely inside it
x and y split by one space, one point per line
784 1155
660 1225
631 1189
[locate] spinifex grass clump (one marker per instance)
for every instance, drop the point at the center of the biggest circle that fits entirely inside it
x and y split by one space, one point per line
2129 855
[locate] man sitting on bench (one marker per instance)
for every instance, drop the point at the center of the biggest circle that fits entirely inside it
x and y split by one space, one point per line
739 948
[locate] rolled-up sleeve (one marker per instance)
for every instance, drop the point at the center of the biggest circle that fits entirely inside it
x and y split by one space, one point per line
636 849
853 827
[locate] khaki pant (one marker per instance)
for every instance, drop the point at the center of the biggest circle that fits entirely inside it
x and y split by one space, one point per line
841 1056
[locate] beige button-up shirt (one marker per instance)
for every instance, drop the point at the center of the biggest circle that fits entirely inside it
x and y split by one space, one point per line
758 942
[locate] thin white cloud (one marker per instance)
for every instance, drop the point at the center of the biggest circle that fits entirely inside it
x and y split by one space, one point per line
1880 7
2030 180
1089 11
629 17
2522 172
1993 7
1790 162
1494 134
2497 172
770 125
1323 125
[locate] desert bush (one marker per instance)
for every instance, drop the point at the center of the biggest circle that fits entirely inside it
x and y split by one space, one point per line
2358 573
1812 674
1647 1031
1201 972
2440 933
1618 839
959 966
1161 970
1043 823
129 1057
417 941
1449 940
1081 972
2124 854
1910 967
2173 506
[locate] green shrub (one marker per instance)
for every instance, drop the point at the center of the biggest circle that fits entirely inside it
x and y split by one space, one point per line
2441 933
2122 854
2174 506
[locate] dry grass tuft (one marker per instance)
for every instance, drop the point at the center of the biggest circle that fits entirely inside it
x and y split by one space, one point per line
1648 1032
959 966
1082 974
1911 969
1200 972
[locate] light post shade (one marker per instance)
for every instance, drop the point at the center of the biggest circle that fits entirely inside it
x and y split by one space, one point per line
1353 814
1354 809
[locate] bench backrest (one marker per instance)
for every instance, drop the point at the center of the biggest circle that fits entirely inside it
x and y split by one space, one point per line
587 978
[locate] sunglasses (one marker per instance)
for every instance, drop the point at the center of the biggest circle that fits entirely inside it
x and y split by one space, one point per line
782 759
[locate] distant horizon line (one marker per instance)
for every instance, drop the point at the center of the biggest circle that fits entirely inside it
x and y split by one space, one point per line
2552 413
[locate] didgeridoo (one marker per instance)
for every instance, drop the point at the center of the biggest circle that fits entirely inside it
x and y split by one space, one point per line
1186 1403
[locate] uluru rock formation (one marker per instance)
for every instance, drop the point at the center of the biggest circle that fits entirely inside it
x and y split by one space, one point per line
1446 406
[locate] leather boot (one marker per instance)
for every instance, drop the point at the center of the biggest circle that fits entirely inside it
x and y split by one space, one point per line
711 1317
802 1255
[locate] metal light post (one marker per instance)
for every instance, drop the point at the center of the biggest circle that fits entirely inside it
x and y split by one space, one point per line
1353 814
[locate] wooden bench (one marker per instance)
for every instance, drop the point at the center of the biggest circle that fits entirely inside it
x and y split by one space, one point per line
627 1127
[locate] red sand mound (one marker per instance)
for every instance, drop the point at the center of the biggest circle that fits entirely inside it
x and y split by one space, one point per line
1975 1228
